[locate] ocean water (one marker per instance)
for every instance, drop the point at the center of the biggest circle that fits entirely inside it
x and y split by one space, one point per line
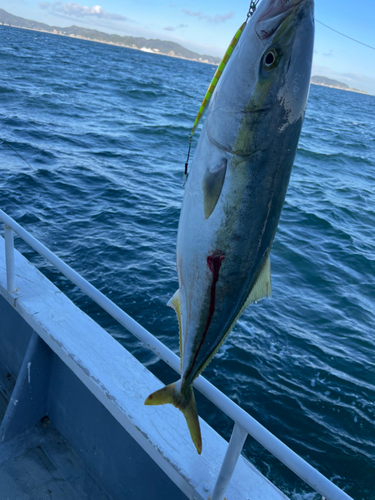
104 131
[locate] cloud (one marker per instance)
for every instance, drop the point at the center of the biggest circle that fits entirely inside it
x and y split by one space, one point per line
217 19
195 14
222 19
73 9
171 28
355 78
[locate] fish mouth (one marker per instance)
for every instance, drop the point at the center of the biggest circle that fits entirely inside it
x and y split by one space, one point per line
273 13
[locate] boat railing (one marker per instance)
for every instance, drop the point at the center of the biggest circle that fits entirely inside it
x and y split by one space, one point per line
244 424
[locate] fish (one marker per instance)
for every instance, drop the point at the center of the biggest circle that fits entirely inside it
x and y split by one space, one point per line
236 188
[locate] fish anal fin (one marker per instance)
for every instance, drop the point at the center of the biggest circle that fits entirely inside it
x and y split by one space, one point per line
212 185
175 303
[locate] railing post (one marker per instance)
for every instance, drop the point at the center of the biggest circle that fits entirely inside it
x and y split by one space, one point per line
9 257
271 443
234 449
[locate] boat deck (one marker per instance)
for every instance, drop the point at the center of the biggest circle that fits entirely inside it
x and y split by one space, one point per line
40 463
57 440
73 420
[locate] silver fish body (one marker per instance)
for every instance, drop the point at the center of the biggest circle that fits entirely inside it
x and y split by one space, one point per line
237 186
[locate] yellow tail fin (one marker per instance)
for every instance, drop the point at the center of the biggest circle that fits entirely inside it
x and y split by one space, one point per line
185 402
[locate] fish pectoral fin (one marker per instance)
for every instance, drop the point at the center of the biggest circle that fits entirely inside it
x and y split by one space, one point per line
262 287
175 303
212 185
185 402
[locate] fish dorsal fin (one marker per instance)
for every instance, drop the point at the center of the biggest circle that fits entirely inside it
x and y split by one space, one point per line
175 303
212 185
262 287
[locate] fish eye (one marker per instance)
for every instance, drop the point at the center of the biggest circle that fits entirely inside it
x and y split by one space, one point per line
270 59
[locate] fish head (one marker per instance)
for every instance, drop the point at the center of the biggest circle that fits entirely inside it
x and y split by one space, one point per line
285 30
267 79
239 174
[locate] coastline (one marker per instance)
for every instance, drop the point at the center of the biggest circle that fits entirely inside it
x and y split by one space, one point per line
142 49
159 52
356 91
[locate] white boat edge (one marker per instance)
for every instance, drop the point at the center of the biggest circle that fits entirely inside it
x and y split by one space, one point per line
121 384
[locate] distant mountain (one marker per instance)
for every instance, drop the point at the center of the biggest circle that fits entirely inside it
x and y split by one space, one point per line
147 45
328 82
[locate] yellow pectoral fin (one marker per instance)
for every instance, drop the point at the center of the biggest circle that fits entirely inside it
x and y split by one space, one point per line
212 186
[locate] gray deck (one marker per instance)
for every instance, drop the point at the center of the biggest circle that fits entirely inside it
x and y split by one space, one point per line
99 440
37 462
40 464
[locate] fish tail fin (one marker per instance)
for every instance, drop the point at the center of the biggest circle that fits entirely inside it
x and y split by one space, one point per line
163 396
185 402
192 420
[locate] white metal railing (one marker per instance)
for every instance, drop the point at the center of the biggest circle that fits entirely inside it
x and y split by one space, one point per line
244 424
9 252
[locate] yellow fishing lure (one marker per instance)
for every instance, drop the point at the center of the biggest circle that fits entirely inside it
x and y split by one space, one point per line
217 76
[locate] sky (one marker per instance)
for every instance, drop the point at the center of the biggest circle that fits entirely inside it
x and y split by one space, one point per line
208 27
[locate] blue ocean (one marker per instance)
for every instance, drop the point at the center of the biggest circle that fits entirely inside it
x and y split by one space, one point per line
104 132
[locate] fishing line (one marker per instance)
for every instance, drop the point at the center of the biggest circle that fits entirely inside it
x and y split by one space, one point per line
219 72
346 36
214 81
4 141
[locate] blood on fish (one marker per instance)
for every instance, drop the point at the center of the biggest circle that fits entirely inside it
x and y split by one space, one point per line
214 263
